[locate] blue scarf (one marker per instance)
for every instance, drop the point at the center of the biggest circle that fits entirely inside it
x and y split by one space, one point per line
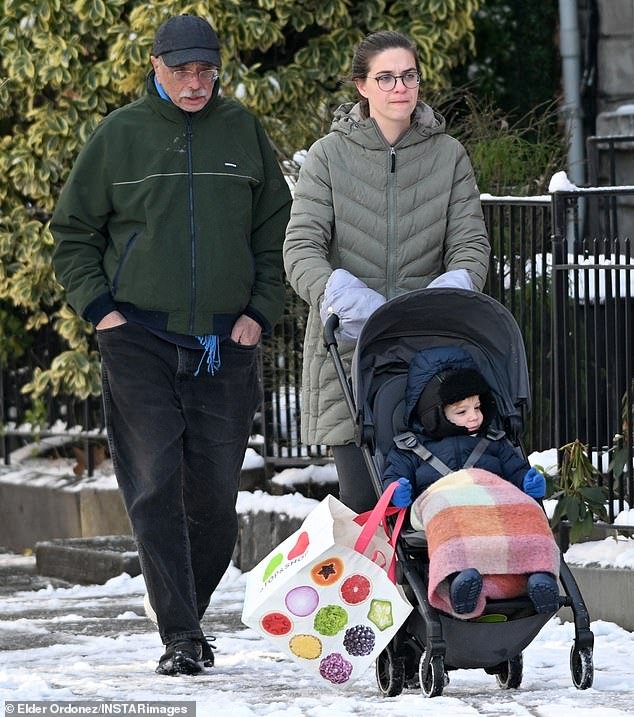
212 352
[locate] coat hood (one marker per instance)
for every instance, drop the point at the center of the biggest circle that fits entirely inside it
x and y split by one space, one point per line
365 131
425 390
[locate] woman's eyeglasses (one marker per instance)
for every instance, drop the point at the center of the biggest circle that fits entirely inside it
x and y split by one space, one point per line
387 81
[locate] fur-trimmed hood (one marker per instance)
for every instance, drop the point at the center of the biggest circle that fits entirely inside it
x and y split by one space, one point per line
432 383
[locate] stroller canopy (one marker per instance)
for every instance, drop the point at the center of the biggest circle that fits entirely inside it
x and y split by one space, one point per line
444 317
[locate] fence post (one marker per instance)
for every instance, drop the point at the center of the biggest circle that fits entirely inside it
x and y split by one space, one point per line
88 449
559 299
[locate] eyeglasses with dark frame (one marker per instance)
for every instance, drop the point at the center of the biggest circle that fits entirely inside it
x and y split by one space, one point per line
387 81
183 76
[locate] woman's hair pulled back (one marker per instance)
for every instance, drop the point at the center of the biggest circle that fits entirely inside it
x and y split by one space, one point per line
370 47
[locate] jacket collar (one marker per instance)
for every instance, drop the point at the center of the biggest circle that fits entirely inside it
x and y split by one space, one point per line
426 122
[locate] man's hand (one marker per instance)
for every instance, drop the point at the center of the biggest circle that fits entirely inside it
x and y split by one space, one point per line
246 331
109 321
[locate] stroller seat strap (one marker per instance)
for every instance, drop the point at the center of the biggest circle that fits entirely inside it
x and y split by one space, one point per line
477 452
481 446
408 441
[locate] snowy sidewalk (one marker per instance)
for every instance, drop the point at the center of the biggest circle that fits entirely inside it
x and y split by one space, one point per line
94 643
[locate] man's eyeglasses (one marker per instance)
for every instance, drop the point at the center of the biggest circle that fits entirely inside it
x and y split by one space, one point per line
189 75
387 81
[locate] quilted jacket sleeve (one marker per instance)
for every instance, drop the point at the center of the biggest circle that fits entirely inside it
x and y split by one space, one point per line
399 464
466 241
308 234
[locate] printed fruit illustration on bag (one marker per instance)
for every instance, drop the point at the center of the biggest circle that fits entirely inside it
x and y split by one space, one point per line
300 547
327 572
318 628
326 596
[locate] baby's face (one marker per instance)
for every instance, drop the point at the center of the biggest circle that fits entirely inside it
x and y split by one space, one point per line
465 413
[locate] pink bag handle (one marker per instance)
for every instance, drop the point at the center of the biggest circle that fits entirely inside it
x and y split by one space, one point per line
371 521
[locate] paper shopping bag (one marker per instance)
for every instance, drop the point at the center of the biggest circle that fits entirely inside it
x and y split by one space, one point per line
324 596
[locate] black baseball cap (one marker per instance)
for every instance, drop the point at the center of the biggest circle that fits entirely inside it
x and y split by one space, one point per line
186 38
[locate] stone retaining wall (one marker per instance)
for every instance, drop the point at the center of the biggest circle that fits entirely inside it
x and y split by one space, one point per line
40 507
608 594
95 560
36 507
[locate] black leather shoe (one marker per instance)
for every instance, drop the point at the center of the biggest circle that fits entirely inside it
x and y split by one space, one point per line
182 657
207 651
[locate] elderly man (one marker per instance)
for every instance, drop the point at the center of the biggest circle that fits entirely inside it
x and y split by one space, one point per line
168 239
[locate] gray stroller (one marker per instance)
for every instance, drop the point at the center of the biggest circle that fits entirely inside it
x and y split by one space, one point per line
430 644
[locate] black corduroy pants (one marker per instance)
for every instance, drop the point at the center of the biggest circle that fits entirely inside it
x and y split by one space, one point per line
177 442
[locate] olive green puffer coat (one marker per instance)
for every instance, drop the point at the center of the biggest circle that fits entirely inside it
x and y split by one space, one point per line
394 216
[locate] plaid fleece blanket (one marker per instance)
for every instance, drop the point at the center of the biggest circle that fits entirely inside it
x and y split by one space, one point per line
474 519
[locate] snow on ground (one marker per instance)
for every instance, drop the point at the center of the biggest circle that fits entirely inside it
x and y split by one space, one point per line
94 643
612 552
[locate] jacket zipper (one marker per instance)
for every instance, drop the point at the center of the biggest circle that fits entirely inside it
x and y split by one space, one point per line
124 258
192 225
391 225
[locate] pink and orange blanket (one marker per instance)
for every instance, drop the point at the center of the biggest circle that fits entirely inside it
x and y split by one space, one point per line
474 519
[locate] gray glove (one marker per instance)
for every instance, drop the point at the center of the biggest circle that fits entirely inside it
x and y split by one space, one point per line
352 301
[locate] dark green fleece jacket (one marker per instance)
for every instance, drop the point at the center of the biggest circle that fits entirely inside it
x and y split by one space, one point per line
174 218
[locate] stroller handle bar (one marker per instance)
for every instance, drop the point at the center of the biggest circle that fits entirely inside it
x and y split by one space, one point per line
330 342
331 325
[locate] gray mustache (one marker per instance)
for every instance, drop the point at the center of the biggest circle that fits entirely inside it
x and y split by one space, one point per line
193 94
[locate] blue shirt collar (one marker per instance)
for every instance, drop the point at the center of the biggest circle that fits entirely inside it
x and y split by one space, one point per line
160 90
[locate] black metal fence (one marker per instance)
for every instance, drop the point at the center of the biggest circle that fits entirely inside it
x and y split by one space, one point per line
605 159
593 335
281 382
24 421
519 232
555 264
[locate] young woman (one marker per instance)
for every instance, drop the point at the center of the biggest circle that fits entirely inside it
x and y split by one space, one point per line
389 197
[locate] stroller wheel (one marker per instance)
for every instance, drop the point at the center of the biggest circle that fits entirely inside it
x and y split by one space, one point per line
581 667
432 678
390 673
509 676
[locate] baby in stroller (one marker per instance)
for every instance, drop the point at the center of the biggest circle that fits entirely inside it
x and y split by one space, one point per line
451 411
